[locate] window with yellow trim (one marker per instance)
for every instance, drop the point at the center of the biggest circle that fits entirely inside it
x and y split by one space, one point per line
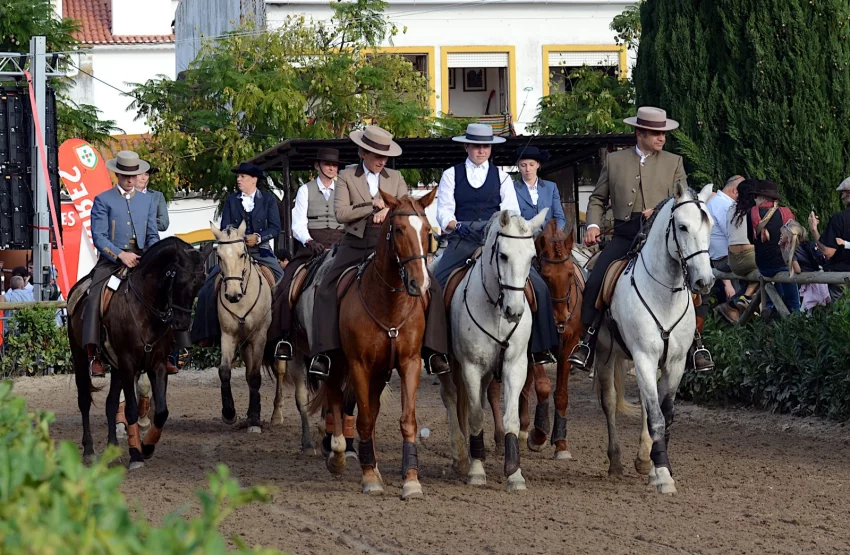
563 64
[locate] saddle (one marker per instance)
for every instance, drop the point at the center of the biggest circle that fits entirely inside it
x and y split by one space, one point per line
304 275
345 281
457 276
106 294
609 282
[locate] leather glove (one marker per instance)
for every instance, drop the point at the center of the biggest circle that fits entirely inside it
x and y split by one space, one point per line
315 247
466 233
252 240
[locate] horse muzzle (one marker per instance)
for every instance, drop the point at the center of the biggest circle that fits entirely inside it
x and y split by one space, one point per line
702 285
512 315
233 297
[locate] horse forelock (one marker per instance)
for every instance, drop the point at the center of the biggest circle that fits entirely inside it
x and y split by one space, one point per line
167 246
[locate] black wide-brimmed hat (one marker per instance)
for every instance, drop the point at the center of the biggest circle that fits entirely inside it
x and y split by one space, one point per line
532 153
248 169
767 189
329 155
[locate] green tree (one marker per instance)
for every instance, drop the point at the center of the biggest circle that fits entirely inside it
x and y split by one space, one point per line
250 91
627 26
20 20
595 103
760 88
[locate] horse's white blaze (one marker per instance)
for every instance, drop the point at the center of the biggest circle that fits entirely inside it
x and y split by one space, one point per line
416 223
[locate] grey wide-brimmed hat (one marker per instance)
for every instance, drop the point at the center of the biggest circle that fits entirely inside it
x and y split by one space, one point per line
479 134
128 162
377 140
845 185
654 119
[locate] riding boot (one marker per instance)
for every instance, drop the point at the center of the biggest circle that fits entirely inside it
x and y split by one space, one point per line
543 357
170 368
320 366
582 355
96 369
699 359
435 363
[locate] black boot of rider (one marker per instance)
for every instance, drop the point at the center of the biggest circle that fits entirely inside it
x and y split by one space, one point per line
283 350
435 363
582 355
320 366
543 357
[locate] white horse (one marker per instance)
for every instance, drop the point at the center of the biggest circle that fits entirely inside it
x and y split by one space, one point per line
652 312
490 328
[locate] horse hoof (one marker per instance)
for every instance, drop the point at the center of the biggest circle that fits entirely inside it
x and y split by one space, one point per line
522 436
615 471
88 459
351 455
461 467
643 467
336 463
563 455
136 465
412 490
231 422
666 489
516 482
277 418
372 488
652 476
120 431
255 430
144 422
533 446
476 476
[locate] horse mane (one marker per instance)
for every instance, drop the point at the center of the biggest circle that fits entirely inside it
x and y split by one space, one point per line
169 243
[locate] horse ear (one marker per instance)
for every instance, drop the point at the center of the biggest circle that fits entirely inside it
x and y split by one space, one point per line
679 190
570 239
428 199
206 251
537 221
504 218
389 200
241 229
540 242
215 231
706 193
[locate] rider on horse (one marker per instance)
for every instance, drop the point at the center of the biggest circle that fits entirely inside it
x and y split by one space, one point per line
361 210
470 193
633 181
315 228
123 225
258 209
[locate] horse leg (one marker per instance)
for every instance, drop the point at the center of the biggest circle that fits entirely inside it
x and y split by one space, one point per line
562 400
457 437
514 380
494 394
112 402
160 383
252 354
228 409
143 394
475 388
642 463
336 458
131 408
84 400
410 374
301 401
660 475
368 396
280 373
524 403
608 396
543 387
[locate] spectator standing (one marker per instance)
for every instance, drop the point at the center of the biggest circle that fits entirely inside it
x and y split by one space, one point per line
17 294
23 273
832 242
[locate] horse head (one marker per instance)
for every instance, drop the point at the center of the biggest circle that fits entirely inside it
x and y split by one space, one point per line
233 259
508 252
407 233
190 277
688 236
554 254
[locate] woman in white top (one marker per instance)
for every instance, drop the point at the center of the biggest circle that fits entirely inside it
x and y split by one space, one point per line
742 254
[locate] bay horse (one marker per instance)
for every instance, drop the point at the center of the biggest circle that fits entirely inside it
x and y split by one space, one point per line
152 302
244 302
382 323
491 326
651 321
557 267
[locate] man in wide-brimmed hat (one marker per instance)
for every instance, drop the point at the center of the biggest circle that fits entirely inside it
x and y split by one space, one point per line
361 210
123 225
315 229
633 181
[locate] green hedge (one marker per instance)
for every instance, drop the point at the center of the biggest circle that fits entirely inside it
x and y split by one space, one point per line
38 345
51 503
798 365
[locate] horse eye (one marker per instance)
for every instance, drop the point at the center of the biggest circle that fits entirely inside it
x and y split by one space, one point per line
682 228
398 230
503 256
243 255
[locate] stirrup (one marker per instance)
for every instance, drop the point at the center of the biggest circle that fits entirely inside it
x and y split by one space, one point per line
430 369
544 357
702 351
580 355
283 350
315 368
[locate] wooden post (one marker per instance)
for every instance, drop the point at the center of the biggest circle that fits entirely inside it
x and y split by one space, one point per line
762 298
778 303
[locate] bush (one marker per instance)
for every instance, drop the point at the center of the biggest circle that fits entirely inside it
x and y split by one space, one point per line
36 345
51 503
797 365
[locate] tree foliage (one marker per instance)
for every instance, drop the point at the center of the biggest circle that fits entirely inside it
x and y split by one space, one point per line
626 25
596 103
307 79
20 20
761 88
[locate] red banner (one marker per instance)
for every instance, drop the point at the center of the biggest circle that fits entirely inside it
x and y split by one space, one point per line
84 174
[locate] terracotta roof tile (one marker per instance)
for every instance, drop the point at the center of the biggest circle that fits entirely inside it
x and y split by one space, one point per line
95 19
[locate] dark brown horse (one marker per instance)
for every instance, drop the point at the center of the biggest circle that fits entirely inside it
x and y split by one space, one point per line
382 322
150 305
554 248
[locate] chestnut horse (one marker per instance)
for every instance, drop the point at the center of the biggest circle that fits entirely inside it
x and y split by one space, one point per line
557 267
382 323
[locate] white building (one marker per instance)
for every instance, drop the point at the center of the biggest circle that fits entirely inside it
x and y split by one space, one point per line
122 41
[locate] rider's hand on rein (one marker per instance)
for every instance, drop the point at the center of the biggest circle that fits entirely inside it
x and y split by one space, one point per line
380 216
252 240
129 259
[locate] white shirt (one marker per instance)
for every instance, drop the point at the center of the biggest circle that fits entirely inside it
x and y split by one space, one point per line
27 287
248 201
532 190
476 176
373 179
718 207
736 234
299 212
123 193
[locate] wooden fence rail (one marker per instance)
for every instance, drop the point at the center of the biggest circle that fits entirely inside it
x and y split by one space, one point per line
31 304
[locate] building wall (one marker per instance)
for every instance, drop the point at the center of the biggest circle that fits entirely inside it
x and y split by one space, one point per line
119 65
528 26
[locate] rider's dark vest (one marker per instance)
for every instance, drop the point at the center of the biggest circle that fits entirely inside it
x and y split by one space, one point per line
473 205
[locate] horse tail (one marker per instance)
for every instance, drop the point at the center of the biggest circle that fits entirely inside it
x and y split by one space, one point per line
623 406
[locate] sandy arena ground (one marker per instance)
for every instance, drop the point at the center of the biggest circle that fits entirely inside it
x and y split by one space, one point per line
749 482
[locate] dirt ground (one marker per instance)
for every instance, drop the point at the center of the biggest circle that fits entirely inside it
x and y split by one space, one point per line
749 482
